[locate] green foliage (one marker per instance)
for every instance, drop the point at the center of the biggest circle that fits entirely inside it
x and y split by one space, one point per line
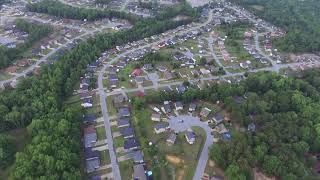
285 112
62 10
7 150
54 149
299 18
36 32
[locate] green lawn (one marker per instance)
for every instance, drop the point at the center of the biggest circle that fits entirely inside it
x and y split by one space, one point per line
111 109
101 133
105 157
162 168
126 170
118 142
4 76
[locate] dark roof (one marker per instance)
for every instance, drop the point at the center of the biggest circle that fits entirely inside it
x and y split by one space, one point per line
89 117
95 178
138 157
139 172
131 143
124 111
190 135
127 132
87 100
181 88
167 108
178 104
160 126
123 121
90 154
92 164
218 118
193 106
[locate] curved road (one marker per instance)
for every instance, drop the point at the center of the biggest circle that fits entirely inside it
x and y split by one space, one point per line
188 122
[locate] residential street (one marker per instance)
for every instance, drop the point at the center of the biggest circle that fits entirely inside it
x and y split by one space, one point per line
188 122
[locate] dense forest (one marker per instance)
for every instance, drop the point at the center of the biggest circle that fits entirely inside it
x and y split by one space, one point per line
59 9
301 20
35 33
38 102
285 112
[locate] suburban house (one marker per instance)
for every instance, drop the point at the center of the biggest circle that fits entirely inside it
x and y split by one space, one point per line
124 112
138 157
178 105
131 144
167 75
139 79
90 136
139 172
167 89
218 118
252 127
155 117
86 103
92 160
89 118
172 138
181 89
119 99
160 127
147 67
205 112
190 137
221 129
127 132
192 107
166 108
136 72
123 122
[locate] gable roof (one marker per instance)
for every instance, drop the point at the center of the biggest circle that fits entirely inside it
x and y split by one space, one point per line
123 122
124 111
126 132
131 143
89 117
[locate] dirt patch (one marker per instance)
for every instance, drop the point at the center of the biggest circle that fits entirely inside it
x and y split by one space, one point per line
260 176
174 160
181 174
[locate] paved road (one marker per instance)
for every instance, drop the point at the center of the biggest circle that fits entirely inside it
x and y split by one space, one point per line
113 157
188 122
257 44
210 41
102 94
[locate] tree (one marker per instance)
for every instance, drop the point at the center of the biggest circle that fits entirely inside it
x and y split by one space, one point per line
233 172
7 150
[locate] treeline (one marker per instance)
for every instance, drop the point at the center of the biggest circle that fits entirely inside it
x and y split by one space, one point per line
59 9
35 33
53 152
301 19
285 112
182 8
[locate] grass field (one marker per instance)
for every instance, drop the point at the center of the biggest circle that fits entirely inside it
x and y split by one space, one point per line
101 133
167 162
105 157
126 170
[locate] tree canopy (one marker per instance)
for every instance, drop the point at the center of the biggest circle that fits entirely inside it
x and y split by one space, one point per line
35 33
301 20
